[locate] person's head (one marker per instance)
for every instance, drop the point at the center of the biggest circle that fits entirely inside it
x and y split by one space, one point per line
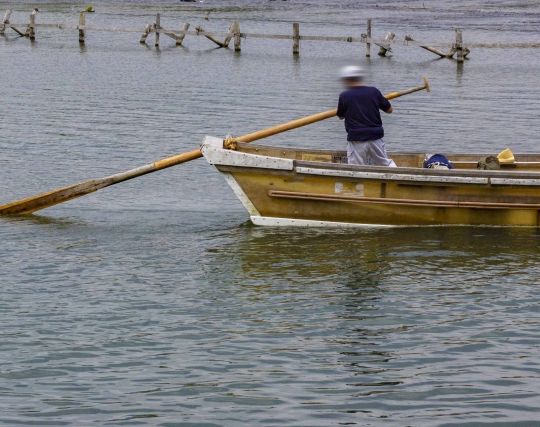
351 75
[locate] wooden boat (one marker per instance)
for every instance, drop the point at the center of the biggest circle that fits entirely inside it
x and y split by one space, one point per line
299 187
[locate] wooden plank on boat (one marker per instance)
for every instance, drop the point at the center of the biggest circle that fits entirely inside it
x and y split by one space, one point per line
515 181
242 196
390 176
215 154
394 201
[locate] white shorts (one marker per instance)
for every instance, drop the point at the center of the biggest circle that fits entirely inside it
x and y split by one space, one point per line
371 153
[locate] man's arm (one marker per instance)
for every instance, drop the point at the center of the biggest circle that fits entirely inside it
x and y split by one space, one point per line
384 104
341 108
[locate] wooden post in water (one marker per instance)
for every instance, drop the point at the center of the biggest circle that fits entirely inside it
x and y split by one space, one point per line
229 36
237 37
157 26
368 43
4 22
144 35
180 38
459 46
31 30
296 38
82 23
387 44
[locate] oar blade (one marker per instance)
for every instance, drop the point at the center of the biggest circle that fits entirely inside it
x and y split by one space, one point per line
60 195
40 201
64 194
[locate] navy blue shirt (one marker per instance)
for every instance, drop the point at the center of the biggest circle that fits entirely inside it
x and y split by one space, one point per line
360 107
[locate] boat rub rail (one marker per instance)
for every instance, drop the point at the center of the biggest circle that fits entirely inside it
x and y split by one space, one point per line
394 201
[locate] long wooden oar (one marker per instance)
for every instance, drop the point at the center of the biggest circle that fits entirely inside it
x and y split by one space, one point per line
61 195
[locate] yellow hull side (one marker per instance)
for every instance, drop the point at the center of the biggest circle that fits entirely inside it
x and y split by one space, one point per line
350 206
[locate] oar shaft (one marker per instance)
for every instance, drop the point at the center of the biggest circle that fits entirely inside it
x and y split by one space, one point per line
304 121
179 158
60 195
393 95
154 167
253 136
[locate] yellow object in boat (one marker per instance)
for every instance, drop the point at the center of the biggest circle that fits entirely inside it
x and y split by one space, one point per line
506 156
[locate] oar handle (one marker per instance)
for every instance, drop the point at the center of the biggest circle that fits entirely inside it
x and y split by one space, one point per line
264 133
60 195
393 95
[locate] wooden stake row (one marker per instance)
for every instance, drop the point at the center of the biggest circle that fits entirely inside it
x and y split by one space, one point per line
30 29
234 33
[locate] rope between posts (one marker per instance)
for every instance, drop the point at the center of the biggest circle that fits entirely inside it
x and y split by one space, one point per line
406 41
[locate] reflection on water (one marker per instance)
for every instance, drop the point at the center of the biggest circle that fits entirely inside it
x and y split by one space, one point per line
150 316
5 221
313 253
404 316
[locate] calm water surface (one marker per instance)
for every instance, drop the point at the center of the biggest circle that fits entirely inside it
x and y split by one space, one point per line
155 302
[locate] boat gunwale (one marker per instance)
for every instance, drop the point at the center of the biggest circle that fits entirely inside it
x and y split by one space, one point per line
499 173
499 177
292 169
251 146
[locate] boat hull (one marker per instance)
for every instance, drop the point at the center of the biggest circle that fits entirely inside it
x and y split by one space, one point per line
280 191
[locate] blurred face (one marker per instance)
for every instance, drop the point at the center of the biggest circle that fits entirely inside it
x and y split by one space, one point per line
351 82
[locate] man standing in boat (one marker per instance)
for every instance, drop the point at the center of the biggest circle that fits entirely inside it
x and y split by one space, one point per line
360 106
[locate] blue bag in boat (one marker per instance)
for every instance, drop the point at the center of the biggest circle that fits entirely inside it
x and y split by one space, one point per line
438 161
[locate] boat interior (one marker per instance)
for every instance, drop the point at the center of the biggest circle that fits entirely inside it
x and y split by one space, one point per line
508 162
